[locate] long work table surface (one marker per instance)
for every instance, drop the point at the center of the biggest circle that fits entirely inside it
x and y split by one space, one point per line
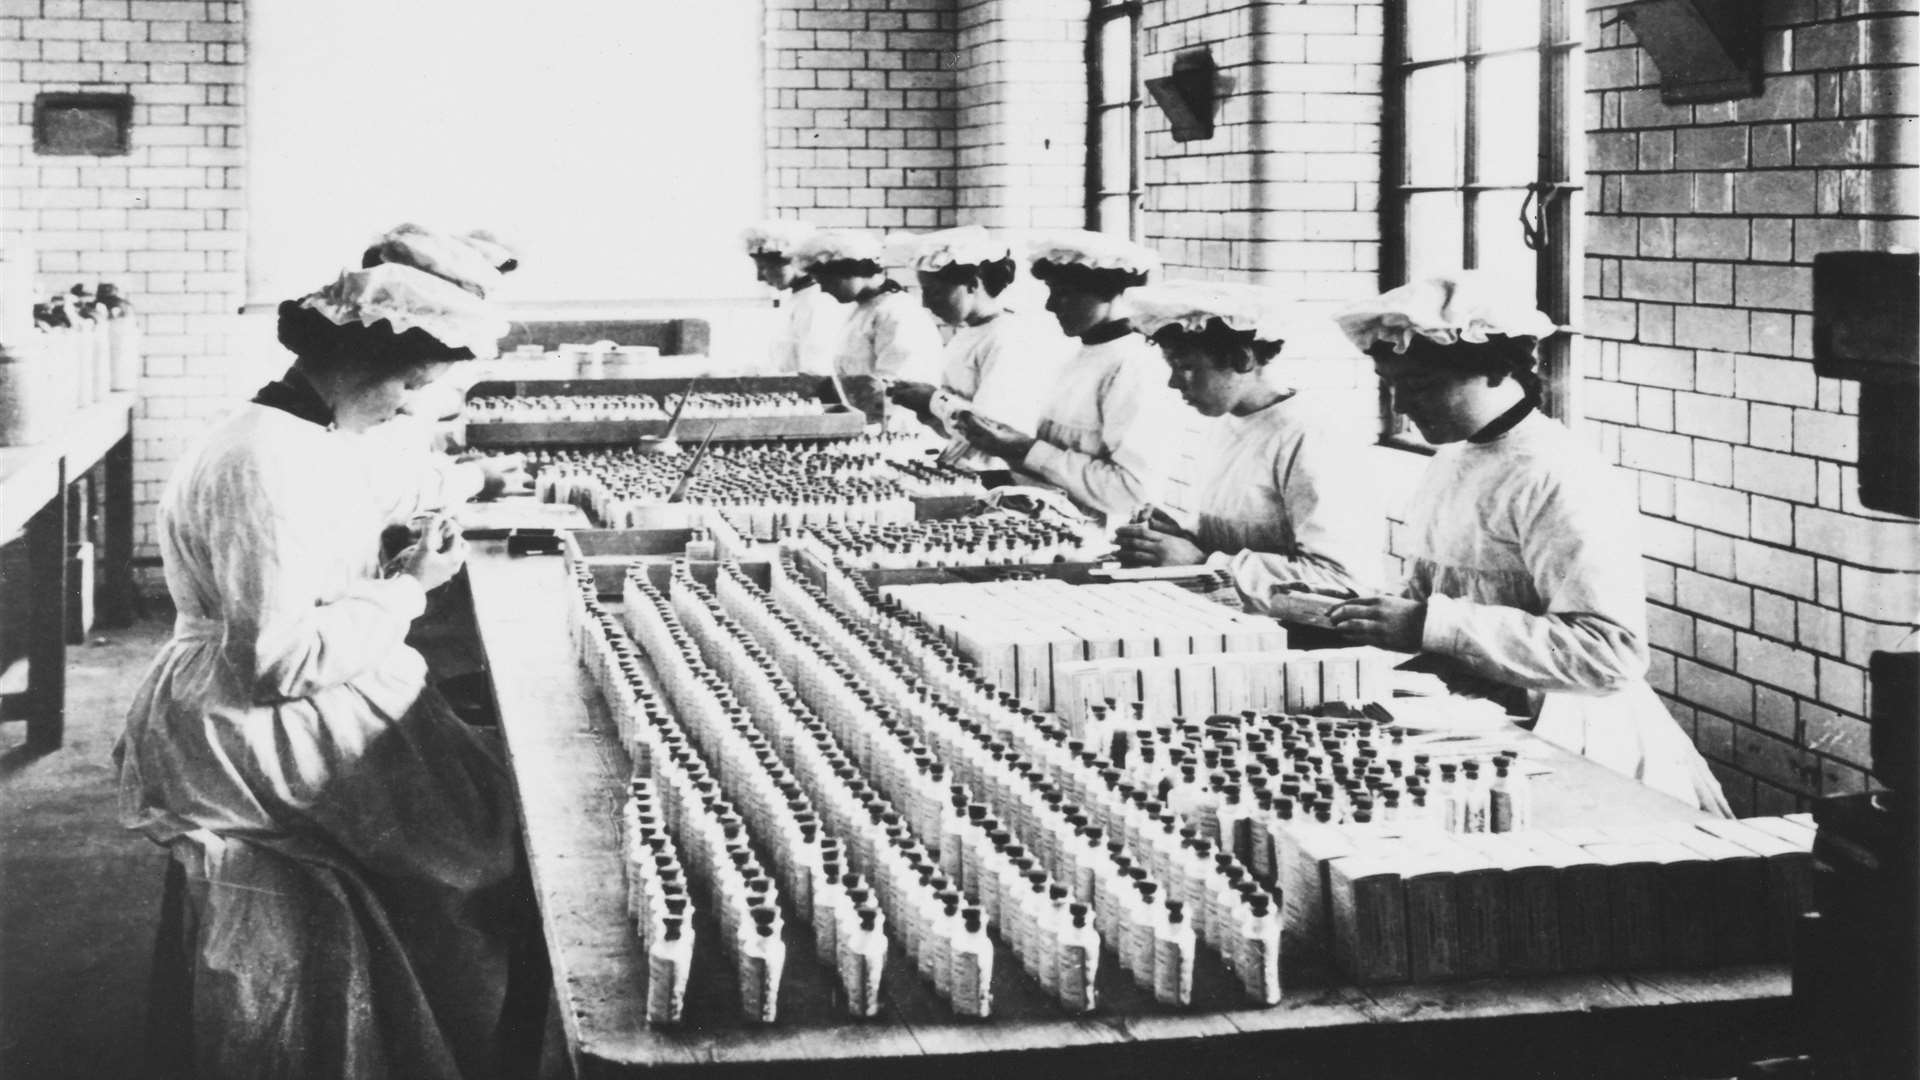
571 771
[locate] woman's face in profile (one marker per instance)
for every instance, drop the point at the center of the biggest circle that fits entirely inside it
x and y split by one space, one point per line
379 398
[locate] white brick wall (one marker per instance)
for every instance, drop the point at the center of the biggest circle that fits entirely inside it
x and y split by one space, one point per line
861 112
167 222
1022 113
1701 236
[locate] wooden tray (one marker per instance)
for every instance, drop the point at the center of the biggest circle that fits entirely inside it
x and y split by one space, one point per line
837 422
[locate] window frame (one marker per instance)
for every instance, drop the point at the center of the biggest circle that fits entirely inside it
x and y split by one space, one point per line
1099 14
1558 182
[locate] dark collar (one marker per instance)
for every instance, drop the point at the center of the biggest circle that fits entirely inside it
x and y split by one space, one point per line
1503 423
294 395
1111 330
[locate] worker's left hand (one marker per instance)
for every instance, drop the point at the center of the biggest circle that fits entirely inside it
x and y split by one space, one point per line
1390 622
994 437
868 393
506 474
1144 545
914 396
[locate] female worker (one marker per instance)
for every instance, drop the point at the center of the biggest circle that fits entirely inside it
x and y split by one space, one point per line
1523 566
998 363
1284 495
887 336
809 335
1107 430
345 891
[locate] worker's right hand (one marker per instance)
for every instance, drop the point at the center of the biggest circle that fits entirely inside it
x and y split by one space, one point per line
432 567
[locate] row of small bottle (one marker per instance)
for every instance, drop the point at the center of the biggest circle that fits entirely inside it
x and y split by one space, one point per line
1121 894
937 544
1031 910
658 904
1063 831
945 942
575 408
1348 771
675 797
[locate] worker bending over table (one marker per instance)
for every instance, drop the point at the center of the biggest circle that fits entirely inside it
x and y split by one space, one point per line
1523 565
809 336
346 894
1108 429
1000 364
1283 491
887 336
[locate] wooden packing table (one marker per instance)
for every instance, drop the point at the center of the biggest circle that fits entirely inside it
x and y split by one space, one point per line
34 485
571 772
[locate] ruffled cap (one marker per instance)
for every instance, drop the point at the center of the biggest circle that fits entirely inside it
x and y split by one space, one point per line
418 278
1095 251
838 245
1466 305
930 253
469 264
775 237
1258 309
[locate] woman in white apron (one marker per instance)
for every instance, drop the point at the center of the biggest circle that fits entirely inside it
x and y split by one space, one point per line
1282 495
809 336
1523 561
1107 432
347 897
1000 363
887 336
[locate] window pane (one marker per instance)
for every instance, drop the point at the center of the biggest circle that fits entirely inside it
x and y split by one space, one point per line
1116 214
1508 24
1116 149
1116 61
1497 238
1507 101
1435 230
1434 119
1434 28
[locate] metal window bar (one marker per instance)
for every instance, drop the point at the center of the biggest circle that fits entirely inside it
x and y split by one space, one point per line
1099 187
1559 194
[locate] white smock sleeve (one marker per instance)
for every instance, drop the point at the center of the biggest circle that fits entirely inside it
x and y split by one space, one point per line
1580 549
269 531
906 343
1338 524
1017 371
1137 426
818 320
406 477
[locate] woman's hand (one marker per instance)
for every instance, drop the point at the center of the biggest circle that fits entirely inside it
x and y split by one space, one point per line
505 474
994 437
1145 545
1390 622
438 555
915 396
868 393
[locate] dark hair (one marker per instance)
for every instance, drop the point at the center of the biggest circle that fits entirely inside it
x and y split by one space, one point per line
994 277
769 256
1499 357
847 268
316 339
1105 283
1224 346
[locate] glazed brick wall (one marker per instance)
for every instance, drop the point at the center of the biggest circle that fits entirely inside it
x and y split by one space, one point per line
166 222
862 108
1022 114
1286 192
1769 583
